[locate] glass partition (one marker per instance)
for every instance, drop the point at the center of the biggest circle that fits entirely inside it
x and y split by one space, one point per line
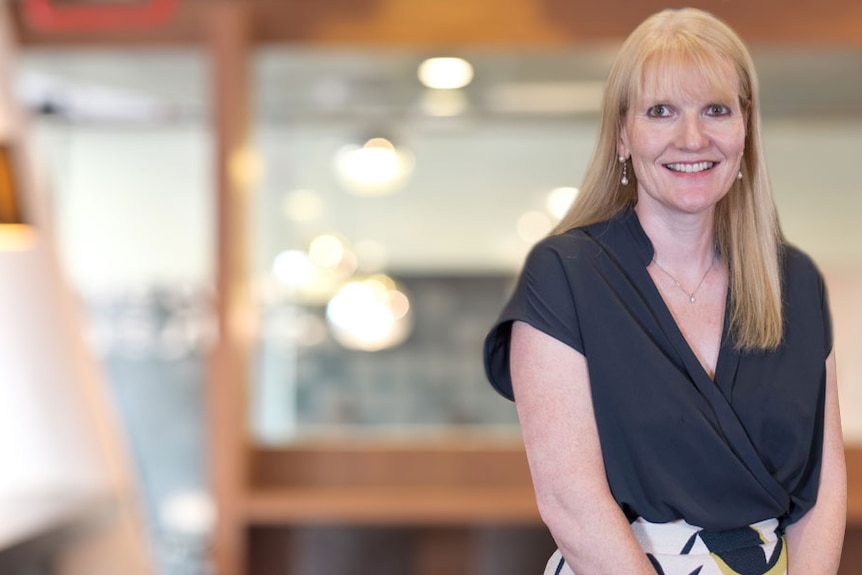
393 218
378 265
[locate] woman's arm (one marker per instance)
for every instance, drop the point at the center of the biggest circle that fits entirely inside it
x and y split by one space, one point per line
552 395
814 542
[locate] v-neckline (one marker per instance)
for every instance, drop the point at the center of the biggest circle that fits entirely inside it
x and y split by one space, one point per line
679 339
719 387
723 360
727 360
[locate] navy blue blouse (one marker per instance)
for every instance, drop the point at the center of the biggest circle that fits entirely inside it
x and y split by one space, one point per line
719 453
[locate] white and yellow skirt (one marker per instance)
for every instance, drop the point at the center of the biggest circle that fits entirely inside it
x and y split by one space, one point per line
677 548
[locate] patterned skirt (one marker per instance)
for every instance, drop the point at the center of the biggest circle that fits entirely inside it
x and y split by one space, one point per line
678 548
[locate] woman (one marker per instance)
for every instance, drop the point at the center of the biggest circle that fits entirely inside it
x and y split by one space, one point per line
670 355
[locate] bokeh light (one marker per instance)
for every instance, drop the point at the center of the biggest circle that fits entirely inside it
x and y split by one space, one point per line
559 200
293 268
326 251
370 314
445 73
376 168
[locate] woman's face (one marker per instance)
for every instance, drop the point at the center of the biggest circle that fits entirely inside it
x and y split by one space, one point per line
685 136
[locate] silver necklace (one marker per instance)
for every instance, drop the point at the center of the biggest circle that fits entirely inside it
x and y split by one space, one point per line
679 285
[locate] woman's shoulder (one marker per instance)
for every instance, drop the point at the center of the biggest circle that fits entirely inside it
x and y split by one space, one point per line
797 262
800 271
575 241
568 250
569 240
621 235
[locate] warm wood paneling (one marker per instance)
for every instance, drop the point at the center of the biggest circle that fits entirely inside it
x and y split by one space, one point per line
447 23
465 463
851 558
405 483
228 37
854 485
387 483
466 482
393 506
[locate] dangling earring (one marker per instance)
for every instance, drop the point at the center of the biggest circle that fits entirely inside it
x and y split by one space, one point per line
739 175
624 179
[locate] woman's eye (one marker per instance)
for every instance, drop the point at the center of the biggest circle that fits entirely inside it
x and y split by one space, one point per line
717 110
658 111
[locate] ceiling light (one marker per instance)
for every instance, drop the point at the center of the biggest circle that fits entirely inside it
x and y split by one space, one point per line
445 73
374 169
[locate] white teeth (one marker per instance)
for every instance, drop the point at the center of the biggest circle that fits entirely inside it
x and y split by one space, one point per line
691 168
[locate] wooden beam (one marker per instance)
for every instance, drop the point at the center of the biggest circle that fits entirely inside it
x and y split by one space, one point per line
394 506
451 464
229 45
475 23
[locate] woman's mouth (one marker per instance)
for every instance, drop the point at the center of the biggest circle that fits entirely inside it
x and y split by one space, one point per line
689 168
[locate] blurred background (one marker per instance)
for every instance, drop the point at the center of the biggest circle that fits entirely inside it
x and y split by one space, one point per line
284 230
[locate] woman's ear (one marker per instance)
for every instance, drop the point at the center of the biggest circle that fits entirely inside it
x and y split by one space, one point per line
622 141
622 145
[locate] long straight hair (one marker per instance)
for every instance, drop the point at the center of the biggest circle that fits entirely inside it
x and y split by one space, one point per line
747 230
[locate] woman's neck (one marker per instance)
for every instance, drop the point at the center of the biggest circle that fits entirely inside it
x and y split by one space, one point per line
684 243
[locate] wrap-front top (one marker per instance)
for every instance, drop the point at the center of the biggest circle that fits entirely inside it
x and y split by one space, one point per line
719 453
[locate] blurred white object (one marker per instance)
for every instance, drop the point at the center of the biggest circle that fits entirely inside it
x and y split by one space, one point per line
188 512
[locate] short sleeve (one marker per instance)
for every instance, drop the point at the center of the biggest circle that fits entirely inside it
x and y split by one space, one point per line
542 298
806 288
807 291
827 316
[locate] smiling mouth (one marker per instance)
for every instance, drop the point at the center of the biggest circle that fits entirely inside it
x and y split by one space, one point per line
690 168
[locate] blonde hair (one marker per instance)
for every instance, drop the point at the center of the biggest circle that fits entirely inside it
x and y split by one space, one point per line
747 231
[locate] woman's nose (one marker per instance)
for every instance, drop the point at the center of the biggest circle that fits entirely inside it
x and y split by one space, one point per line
692 135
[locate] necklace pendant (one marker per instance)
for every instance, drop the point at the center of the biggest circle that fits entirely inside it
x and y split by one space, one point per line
679 285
